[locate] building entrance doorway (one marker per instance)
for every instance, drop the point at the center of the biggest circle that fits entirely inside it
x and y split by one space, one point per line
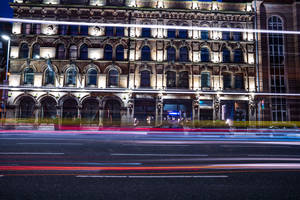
112 113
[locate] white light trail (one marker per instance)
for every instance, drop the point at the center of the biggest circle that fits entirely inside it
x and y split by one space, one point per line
154 26
150 176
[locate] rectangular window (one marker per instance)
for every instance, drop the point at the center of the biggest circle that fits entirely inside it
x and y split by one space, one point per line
205 79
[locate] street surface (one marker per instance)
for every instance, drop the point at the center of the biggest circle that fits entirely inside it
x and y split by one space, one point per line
138 165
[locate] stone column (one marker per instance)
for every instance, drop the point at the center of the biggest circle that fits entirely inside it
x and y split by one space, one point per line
101 112
196 111
252 108
159 110
217 108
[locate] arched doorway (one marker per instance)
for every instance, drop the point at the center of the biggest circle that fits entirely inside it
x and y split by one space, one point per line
70 109
90 111
26 108
112 114
48 109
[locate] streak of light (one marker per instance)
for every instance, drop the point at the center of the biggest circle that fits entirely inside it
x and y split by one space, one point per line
154 26
147 154
151 176
48 143
154 168
30 153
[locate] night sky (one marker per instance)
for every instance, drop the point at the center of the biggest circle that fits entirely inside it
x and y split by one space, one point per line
5 10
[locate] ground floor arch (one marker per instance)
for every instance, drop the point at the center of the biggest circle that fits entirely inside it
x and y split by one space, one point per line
48 109
112 112
70 109
90 111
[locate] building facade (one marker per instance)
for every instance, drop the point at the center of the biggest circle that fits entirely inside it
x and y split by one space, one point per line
113 75
279 70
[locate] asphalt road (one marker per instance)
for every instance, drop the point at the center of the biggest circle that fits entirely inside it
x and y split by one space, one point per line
139 166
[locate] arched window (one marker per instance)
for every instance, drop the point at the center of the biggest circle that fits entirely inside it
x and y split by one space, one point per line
63 29
146 32
24 51
36 51
28 76
36 29
84 30
183 81
171 33
171 79
183 34
113 78
226 55
73 52
227 80
239 81
205 79
74 30
226 35
204 35
237 36
238 56
84 52
92 77
107 52
49 76
109 31
60 51
71 76
120 31
146 53
145 78
204 55
183 54
171 54
120 52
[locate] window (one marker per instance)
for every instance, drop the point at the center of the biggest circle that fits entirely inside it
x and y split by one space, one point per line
120 31
237 36
26 28
205 79
204 55
146 53
171 79
120 52
145 78
109 31
28 76
49 77
227 80
84 30
183 54
36 29
183 81
226 35
60 51
226 55
183 34
107 52
71 76
204 35
24 51
63 29
171 33
171 54
84 52
73 52
146 32
239 81
36 51
113 78
92 77
238 56
74 30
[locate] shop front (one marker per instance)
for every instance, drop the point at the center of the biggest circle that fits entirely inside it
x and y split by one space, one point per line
177 111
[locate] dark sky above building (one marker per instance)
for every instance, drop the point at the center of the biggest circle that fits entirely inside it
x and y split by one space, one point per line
5 10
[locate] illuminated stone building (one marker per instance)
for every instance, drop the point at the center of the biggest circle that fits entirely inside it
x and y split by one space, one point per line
108 75
279 70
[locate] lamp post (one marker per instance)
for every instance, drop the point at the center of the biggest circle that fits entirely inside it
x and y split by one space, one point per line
4 96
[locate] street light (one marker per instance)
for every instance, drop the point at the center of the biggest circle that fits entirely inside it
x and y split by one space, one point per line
4 96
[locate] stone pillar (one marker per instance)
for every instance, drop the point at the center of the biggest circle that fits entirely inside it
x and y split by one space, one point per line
130 112
196 111
101 112
217 108
252 108
159 110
